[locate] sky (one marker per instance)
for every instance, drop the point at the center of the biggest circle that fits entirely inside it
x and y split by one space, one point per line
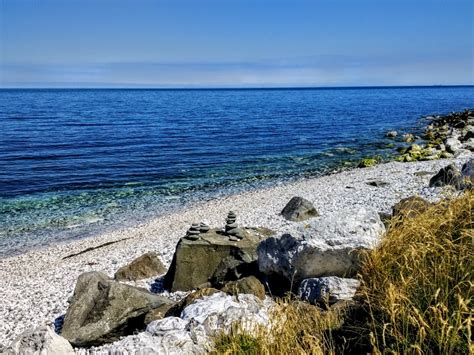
235 43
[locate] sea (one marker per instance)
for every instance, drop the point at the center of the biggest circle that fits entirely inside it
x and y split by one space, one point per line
75 162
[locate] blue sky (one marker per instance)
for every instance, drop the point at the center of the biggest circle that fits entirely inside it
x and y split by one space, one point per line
235 43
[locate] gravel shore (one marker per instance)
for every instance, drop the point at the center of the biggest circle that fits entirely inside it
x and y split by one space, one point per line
35 286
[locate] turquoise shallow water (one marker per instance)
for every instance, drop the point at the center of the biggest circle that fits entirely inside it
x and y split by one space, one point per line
75 161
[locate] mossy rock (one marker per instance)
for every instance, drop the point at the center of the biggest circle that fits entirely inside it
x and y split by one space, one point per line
365 163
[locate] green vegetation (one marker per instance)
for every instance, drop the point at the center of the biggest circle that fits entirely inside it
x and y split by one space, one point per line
366 162
416 296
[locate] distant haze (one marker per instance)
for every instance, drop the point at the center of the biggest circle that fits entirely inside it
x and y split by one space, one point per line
231 43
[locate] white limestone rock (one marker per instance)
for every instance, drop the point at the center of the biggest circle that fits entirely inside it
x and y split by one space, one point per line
191 333
218 312
40 341
325 247
328 289
452 144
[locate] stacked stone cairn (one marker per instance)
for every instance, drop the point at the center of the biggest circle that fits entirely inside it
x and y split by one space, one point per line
204 227
193 232
231 229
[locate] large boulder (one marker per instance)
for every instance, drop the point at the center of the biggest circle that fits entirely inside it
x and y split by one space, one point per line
40 341
449 175
329 246
213 259
328 289
103 310
299 209
146 266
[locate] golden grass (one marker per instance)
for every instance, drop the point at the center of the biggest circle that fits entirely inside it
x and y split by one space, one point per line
297 328
418 284
416 297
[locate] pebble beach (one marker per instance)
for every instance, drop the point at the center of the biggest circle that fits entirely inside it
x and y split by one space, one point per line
35 286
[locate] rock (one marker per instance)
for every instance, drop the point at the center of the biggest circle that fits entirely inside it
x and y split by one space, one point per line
469 133
468 145
386 219
204 227
218 313
41 341
201 321
231 228
232 268
367 162
452 145
391 134
159 312
247 285
410 207
377 183
194 231
103 310
299 209
164 336
189 299
326 247
467 169
467 173
146 266
408 137
196 262
327 290
449 175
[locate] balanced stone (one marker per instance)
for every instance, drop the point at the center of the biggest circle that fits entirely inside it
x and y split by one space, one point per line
231 221
204 227
194 231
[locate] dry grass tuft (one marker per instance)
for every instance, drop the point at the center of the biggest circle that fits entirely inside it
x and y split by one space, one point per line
297 328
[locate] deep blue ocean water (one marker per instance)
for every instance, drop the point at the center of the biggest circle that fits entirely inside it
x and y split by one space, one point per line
72 161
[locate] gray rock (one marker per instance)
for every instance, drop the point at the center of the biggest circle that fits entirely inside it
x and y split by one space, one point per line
146 266
196 262
410 207
326 247
469 145
452 145
247 285
299 209
467 173
327 289
377 183
449 175
408 137
40 341
103 310
391 134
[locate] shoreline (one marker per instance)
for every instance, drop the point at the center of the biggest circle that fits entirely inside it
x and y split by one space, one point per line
35 285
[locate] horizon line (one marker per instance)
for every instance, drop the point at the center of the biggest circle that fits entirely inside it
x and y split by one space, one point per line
237 87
